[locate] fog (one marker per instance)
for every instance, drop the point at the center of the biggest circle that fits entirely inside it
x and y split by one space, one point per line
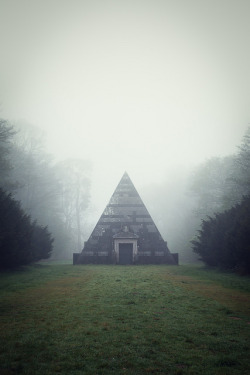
150 87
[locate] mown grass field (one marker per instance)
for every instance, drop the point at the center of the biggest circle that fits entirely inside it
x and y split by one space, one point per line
64 319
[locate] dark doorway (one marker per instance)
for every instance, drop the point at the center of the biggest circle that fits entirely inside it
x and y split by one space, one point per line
125 253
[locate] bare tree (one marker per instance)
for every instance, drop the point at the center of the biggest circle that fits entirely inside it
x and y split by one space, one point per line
73 175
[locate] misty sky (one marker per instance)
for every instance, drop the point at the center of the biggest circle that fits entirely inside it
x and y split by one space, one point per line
142 86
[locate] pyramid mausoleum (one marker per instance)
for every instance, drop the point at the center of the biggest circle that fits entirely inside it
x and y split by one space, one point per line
125 233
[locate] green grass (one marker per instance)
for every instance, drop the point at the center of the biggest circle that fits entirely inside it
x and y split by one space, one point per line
60 319
224 278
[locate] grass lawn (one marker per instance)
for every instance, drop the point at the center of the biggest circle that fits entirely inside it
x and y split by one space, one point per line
64 319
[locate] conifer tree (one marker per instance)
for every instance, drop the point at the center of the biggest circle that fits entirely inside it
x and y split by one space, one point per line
21 241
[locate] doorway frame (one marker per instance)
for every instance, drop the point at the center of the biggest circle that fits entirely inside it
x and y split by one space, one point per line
119 241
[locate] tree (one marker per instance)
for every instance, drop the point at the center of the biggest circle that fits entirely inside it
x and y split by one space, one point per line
41 242
33 182
212 184
73 175
21 241
224 240
219 186
6 135
220 183
243 164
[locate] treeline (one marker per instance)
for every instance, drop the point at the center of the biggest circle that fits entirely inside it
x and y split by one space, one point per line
189 201
42 202
222 189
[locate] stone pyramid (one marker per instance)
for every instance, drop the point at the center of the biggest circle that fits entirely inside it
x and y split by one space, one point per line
125 232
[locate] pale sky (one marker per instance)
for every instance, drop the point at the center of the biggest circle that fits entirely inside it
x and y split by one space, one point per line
141 86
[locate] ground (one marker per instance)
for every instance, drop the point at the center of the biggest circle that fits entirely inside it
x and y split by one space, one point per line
124 320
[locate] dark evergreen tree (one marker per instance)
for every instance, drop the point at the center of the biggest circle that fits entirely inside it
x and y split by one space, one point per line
21 241
224 240
41 242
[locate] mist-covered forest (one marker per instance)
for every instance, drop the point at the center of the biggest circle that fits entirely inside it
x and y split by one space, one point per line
190 196
56 195
53 194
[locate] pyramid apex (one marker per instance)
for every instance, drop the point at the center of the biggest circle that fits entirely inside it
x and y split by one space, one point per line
125 176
